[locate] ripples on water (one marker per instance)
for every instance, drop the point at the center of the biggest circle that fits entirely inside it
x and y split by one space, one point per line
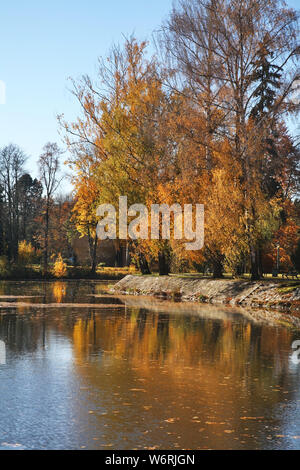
137 374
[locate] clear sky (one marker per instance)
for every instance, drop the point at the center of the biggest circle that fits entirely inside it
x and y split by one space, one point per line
43 42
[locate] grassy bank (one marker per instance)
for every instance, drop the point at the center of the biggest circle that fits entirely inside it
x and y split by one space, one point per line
34 272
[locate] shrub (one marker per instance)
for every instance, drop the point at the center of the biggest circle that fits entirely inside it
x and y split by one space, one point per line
26 253
4 266
60 268
132 269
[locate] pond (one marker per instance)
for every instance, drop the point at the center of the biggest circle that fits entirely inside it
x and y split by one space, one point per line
85 370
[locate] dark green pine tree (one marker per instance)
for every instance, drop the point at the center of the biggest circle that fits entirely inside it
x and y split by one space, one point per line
266 77
266 80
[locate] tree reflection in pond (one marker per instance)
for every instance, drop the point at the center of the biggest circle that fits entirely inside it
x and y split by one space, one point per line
141 378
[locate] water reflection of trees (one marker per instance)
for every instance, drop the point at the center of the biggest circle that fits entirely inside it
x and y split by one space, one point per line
219 371
143 336
21 336
213 367
51 291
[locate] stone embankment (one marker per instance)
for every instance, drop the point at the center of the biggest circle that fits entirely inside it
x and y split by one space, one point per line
284 296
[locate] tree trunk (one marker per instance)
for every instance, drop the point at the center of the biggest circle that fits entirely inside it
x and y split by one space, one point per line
93 252
45 262
217 269
254 264
163 264
260 263
143 265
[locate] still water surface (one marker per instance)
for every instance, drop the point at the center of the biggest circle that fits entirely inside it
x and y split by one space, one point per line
135 374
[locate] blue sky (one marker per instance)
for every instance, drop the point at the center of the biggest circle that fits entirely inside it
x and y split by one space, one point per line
42 43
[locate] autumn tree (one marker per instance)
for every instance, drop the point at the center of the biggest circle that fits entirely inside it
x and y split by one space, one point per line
61 226
237 56
205 126
87 196
121 125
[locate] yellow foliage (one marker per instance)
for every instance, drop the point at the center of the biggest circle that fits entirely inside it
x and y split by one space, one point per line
60 268
161 147
59 291
26 253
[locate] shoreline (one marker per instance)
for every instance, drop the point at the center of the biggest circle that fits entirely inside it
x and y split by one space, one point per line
282 296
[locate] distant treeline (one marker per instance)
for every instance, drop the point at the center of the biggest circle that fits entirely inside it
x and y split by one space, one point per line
34 222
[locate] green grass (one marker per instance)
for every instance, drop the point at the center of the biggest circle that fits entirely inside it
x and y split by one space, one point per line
34 272
288 288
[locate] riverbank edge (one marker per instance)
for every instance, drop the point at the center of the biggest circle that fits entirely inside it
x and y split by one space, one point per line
259 294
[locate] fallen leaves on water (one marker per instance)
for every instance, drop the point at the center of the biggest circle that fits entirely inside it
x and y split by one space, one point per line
214 422
15 446
252 417
170 420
